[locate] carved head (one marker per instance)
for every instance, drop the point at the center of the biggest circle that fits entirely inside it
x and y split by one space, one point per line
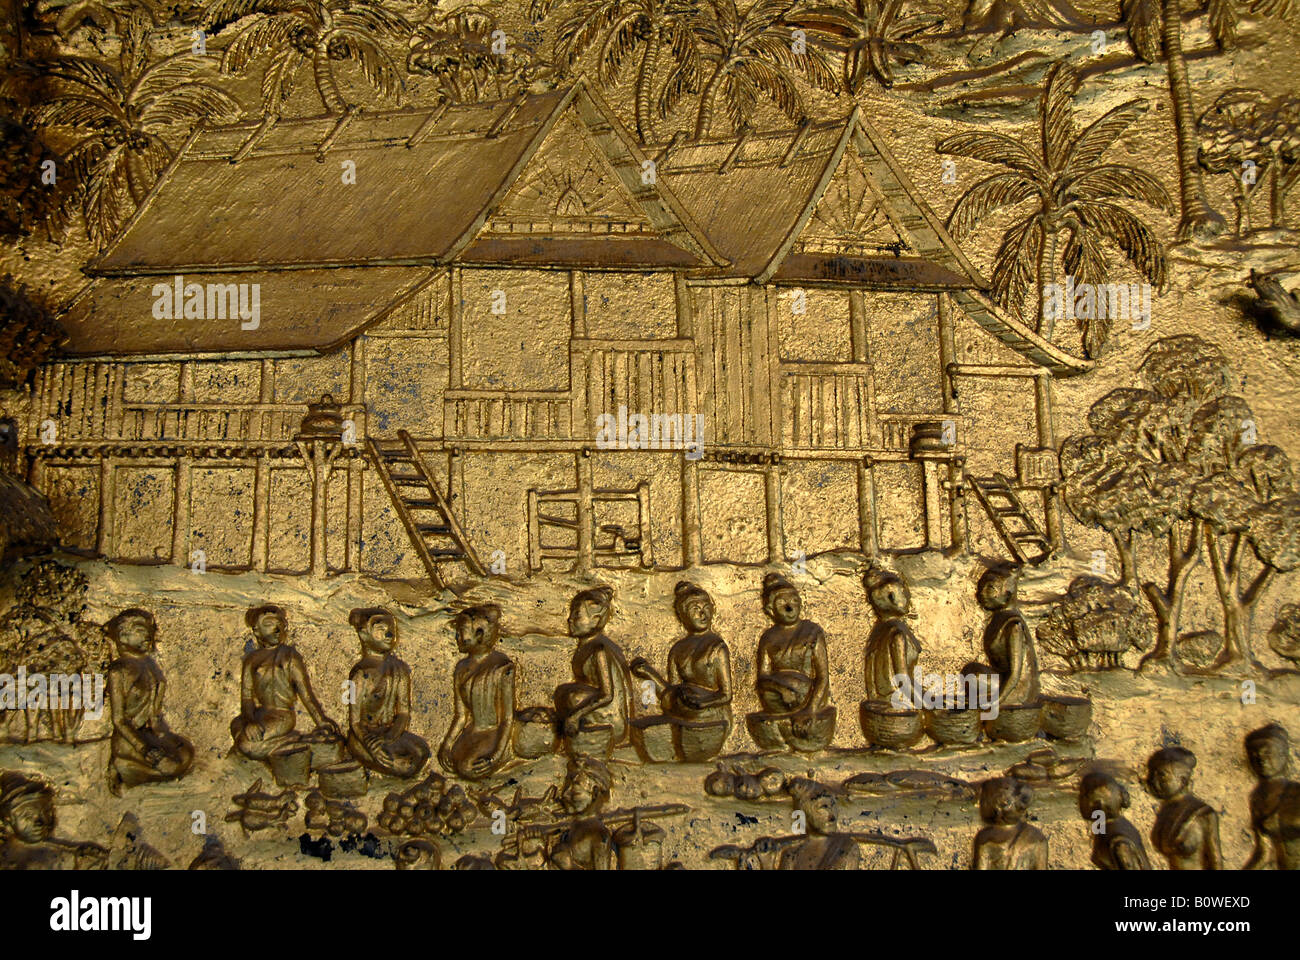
997 587
816 802
586 786
693 606
269 623
590 610
1269 751
1004 800
1101 791
781 601
376 627
1169 772
133 631
26 807
478 628
887 593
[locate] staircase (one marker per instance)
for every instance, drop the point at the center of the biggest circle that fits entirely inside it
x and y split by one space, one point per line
1027 543
436 535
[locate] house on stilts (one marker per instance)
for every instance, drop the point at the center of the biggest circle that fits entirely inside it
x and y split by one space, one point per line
542 345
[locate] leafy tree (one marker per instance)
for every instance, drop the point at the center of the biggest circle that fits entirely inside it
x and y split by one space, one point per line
1136 473
1061 187
456 48
617 30
1250 507
124 122
871 35
752 55
319 32
1155 32
1246 134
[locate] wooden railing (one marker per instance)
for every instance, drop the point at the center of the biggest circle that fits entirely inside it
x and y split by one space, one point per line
218 421
507 414
828 406
644 376
896 429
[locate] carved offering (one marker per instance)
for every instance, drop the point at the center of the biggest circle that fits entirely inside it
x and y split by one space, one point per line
649 435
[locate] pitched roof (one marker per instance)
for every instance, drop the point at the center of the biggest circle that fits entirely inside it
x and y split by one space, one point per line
299 310
274 196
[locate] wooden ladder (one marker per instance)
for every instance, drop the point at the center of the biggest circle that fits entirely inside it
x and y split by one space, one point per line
1027 543
437 537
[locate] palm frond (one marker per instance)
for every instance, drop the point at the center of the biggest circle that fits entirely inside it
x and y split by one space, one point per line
1120 182
1134 238
990 147
993 193
1056 113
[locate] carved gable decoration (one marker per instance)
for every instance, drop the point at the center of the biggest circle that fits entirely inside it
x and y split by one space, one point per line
852 217
569 187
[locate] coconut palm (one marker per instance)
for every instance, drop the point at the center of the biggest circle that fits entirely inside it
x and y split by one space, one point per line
125 123
456 48
617 29
1061 186
871 35
753 54
1155 30
319 32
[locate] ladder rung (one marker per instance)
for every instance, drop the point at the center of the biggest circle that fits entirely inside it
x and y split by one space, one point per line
447 553
422 505
441 529
406 480
1029 537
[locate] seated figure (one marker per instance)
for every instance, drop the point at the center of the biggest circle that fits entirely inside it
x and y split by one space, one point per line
143 747
478 741
379 711
593 710
1116 844
1007 842
1008 644
1275 801
793 680
1186 831
892 650
273 680
696 696
27 821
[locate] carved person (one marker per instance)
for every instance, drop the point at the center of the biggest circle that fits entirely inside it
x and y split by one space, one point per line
1007 641
1006 842
793 680
1275 801
27 821
892 650
379 711
1186 831
596 701
698 686
1116 843
273 680
478 741
823 847
143 747
586 843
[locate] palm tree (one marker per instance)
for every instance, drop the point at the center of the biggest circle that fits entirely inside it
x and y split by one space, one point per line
321 32
124 122
1155 30
754 54
619 28
1071 191
455 47
871 35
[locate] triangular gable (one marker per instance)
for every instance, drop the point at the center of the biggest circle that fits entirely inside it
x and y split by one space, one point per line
587 180
852 217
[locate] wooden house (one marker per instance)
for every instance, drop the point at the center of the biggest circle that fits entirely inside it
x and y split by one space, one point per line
485 289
